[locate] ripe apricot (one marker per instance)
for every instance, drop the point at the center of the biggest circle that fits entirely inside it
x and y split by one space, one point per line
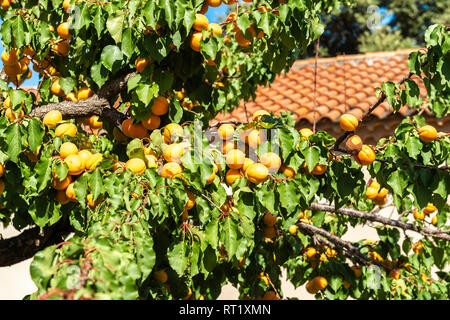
63 31
257 173
305 133
61 197
394 274
71 96
232 175
195 41
84 93
228 145
434 220
160 106
134 130
320 282
235 159
171 132
173 152
9 58
152 122
272 161
319 169
241 40
61 184
93 160
62 47
427 133
310 252
51 118
269 232
67 148
216 29
201 22
429 208
348 122
84 154
94 123
269 219
254 138
310 287
419 215
66 5
171 170
270 295
212 176
68 129
191 200
56 89
204 8
92 204
75 164
214 3
353 144
141 64
70 192
288 171
247 163
417 247
226 131
371 193
293 229
136 165
366 156
2 169
357 270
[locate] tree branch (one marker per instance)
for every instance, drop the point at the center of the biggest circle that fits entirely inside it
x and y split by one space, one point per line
29 242
98 104
371 109
442 234
352 251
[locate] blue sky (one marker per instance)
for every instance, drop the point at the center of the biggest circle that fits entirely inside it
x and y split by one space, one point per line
213 15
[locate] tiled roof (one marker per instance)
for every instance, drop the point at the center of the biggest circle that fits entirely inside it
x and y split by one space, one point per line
344 84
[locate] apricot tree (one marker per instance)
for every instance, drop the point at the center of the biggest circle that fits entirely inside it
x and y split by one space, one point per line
124 189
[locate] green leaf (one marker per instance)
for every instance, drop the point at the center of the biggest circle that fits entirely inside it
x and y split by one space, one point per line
146 92
398 181
43 170
229 234
111 58
177 254
42 267
114 24
96 183
312 156
36 132
13 140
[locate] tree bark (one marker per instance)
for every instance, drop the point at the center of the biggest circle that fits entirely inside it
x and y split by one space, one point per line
29 242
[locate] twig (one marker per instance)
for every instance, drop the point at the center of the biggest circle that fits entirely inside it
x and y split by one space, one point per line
442 234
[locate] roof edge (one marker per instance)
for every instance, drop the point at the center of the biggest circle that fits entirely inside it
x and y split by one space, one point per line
351 57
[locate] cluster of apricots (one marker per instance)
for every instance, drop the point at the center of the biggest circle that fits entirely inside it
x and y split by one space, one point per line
377 194
77 161
428 210
162 277
16 61
16 66
201 23
9 113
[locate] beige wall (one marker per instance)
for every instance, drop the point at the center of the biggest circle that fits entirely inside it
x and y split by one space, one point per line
15 281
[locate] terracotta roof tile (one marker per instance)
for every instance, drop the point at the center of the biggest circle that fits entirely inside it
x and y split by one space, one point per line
344 84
